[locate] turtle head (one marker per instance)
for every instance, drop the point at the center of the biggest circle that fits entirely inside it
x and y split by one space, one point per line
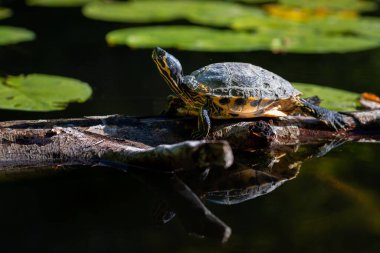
171 70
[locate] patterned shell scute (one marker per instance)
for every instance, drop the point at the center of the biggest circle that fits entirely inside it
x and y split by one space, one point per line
243 80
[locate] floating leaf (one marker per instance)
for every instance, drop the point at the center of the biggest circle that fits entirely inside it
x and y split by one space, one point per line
208 39
216 14
303 14
298 41
330 33
58 3
243 1
361 27
146 11
254 1
205 12
364 27
315 36
332 98
359 5
12 35
264 22
39 92
5 13
186 37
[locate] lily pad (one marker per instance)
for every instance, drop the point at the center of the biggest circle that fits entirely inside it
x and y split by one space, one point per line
5 13
58 3
12 35
216 14
187 38
315 36
262 31
332 98
298 41
254 1
243 1
39 92
205 12
215 40
358 5
364 27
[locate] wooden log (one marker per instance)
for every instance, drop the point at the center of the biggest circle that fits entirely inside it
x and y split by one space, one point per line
137 140
61 145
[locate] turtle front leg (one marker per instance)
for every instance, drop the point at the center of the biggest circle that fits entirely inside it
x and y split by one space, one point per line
331 118
204 124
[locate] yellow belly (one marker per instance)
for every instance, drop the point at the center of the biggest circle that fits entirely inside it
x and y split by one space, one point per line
237 107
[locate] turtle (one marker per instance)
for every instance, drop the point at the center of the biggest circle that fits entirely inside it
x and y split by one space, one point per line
235 90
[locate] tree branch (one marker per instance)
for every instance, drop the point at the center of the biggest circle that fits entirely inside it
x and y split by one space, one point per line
138 140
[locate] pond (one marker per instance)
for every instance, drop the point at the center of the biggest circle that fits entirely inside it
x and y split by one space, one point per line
333 205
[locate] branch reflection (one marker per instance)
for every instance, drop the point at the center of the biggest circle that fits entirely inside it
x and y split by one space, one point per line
253 174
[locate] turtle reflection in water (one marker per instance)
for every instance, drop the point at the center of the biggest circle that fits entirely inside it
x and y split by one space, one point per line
266 171
234 90
254 173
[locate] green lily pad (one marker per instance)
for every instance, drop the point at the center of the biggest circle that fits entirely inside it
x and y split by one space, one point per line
205 12
187 38
243 1
58 3
368 27
262 31
358 5
12 35
332 98
298 41
138 12
315 36
39 92
254 1
216 14
362 27
5 13
215 40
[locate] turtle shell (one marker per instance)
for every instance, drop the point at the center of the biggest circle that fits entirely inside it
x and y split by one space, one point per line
237 196
242 185
243 80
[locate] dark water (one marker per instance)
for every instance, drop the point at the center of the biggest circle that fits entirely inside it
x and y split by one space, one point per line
332 206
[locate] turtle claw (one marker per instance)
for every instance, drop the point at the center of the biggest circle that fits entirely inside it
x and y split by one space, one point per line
334 120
